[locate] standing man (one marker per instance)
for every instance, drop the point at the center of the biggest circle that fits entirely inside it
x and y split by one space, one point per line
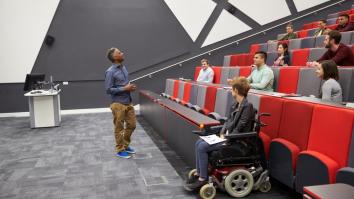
118 86
206 74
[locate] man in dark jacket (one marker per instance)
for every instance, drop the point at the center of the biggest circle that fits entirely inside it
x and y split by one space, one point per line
344 24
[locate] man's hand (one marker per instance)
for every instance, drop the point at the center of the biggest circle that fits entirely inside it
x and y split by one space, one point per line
130 87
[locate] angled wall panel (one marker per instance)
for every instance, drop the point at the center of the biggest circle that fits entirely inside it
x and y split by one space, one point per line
24 24
192 14
226 26
306 4
261 11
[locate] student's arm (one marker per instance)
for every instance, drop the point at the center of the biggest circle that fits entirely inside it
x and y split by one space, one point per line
210 77
266 78
326 92
109 84
244 120
341 55
324 57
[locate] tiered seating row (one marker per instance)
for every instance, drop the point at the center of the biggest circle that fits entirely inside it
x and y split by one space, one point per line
299 80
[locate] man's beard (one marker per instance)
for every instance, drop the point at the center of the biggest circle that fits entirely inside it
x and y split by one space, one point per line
328 46
120 60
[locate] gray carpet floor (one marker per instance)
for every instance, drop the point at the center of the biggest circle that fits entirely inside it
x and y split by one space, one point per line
77 160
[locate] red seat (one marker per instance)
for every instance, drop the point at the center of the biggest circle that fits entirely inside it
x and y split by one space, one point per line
274 106
217 74
175 89
209 102
351 17
310 25
254 48
302 33
249 59
196 73
328 146
300 57
239 59
186 92
292 139
245 71
288 79
333 26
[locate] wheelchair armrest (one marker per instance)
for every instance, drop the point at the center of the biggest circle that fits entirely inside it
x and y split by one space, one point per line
199 132
241 135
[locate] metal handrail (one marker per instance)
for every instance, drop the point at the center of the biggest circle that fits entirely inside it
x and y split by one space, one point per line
237 41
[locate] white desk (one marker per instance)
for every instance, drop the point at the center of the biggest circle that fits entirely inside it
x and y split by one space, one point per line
44 108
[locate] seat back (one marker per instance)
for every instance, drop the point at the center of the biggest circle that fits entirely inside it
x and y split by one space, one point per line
309 83
295 44
227 60
217 74
280 36
223 102
312 32
254 48
330 136
288 79
245 71
202 89
331 21
271 56
346 81
308 42
276 77
254 99
272 46
180 89
169 86
316 53
196 73
296 122
194 94
187 92
274 106
175 88
319 41
333 15
209 99
303 33
299 57
224 75
346 37
234 72
263 47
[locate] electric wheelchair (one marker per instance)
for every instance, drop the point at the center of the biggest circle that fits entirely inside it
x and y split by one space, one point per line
237 168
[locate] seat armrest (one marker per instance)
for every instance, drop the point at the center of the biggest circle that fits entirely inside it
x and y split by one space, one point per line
218 117
241 135
196 108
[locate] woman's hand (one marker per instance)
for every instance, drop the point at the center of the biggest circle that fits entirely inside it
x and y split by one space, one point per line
222 136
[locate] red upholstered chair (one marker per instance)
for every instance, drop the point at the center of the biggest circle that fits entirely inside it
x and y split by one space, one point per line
351 17
196 73
274 106
217 74
249 59
239 59
307 26
254 48
299 57
333 26
175 90
209 103
245 71
302 33
186 93
328 146
292 139
288 79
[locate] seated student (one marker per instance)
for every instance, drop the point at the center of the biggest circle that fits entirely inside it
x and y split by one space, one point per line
261 78
283 58
206 74
343 23
331 90
322 29
341 54
290 33
240 120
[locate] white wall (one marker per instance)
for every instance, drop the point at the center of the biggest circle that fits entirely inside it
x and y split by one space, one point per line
23 26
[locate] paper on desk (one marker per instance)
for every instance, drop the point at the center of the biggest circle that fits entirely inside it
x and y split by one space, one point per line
212 139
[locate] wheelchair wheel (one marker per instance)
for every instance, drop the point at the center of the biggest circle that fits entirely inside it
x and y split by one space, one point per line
265 187
191 173
207 191
239 183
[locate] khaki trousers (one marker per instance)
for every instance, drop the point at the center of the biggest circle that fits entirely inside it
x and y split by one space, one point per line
123 114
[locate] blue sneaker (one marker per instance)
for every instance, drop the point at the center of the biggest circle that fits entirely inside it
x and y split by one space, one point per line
130 150
123 154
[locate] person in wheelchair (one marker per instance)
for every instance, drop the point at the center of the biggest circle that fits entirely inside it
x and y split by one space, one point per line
241 119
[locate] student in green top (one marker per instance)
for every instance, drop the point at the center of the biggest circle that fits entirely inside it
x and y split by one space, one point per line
261 78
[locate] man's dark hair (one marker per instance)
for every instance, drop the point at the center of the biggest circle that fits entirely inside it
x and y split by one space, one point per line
330 69
334 34
290 25
204 60
344 15
323 20
110 54
262 54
